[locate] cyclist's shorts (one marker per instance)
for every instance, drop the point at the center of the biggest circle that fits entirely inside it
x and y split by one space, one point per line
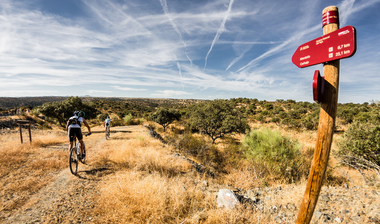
107 124
75 131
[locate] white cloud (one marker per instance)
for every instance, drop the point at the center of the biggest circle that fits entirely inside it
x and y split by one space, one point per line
127 88
170 93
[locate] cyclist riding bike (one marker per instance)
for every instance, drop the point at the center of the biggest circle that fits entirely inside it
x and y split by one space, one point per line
107 124
73 128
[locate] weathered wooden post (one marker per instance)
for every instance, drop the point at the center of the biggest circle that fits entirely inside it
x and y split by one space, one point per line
335 44
21 122
325 130
19 126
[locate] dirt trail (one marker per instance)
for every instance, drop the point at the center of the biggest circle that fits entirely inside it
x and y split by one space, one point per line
69 198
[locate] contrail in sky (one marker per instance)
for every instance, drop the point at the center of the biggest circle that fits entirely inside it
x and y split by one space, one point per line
238 58
346 5
220 30
279 47
166 10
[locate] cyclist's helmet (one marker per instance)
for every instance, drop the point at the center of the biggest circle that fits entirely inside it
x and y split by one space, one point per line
81 114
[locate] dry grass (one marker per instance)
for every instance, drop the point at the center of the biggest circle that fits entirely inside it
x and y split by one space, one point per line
24 167
245 178
131 197
140 153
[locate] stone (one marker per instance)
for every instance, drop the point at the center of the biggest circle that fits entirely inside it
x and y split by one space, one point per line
357 219
291 207
338 220
325 198
317 214
227 198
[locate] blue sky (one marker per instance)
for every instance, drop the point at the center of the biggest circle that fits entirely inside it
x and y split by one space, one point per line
185 49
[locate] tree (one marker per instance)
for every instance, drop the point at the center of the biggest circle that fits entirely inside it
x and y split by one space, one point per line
165 117
62 111
217 118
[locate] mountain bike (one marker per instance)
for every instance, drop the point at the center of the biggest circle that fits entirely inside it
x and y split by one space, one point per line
107 133
74 155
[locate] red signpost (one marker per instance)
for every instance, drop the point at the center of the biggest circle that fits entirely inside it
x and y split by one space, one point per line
330 47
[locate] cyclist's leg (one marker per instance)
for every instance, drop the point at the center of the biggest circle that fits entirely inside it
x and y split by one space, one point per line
81 146
80 139
70 146
71 138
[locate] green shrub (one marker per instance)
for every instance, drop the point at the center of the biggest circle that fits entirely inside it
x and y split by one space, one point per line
259 118
279 154
282 114
275 120
268 106
265 113
360 141
102 117
128 119
198 148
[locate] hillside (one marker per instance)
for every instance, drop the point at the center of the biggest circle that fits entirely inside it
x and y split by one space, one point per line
13 102
135 178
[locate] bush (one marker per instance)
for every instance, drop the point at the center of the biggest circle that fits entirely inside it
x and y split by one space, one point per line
361 140
207 154
102 117
280 155
128 119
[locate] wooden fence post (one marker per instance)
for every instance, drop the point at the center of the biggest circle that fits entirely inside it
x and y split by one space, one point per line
19 125
325 127
26 122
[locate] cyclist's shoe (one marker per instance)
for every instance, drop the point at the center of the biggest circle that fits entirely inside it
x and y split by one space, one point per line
83 155
79 156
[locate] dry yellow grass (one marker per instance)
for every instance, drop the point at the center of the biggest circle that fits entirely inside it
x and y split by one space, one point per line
244 178
23 167
139 152
131 197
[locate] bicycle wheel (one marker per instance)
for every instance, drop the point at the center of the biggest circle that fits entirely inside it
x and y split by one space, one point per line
73 161
106 135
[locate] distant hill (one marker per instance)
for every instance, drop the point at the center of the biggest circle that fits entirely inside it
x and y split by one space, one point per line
13 102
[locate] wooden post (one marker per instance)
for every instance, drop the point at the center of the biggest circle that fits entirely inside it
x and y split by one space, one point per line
30 134
26 122
19 125
325 127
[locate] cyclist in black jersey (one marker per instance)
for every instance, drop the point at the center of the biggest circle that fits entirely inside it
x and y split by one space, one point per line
73 128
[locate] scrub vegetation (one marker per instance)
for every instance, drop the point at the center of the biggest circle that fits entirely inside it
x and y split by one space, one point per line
162 152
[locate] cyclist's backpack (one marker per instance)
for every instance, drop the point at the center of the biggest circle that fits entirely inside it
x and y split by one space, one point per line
74 120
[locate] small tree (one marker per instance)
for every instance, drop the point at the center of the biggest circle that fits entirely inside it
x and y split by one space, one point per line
165 117
217 118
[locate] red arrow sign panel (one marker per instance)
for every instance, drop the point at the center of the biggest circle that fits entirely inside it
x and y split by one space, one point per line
333 46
